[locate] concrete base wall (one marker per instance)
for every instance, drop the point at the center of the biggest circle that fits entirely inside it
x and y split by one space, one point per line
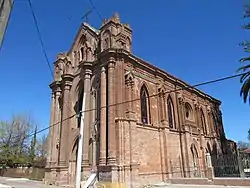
55 177
62 176
196 181
232 181
215 181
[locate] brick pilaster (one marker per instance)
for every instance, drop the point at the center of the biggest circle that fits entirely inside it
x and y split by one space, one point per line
111 112
87 73
103 125
51 130
65 127
54 139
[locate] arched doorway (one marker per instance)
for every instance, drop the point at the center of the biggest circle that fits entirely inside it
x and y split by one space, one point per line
195 161
208 155
73 160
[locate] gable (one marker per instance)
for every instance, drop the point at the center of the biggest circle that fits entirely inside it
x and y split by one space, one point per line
86 33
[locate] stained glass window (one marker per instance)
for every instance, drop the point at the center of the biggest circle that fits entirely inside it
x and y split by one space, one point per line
145 116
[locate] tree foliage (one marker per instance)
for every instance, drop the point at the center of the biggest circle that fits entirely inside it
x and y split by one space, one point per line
243 145
32 154
245 68
17 144
14 139
41 151
248 136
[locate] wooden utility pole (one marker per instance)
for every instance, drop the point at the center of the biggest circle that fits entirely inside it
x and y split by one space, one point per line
5 10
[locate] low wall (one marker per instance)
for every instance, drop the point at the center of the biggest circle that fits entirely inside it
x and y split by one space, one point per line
196 181
30 173
232 181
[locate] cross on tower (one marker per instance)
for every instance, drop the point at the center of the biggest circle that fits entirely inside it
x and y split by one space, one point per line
86 15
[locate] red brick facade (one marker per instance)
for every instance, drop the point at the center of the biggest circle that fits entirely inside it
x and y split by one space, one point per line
141 125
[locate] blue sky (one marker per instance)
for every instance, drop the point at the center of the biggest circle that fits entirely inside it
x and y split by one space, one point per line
194 40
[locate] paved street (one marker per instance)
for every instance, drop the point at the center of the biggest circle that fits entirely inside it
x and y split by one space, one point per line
21 183
25 183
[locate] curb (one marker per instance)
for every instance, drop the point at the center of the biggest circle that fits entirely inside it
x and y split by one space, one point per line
5 186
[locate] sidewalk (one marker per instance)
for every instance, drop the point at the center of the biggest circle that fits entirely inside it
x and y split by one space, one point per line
4 186
163 185
6 182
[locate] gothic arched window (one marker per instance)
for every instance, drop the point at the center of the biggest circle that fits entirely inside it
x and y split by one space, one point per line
78 57
79 108
203 123
106 40
145 112
170 107
215 123
82 54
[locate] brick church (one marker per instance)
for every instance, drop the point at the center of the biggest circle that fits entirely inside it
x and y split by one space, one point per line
142 124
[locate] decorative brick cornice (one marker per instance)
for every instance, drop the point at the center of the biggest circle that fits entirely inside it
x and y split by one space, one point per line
55 86
129 77
161 93
129 81
123 119
86 65
180 98
111 63
103 69
67 80
114 52
197 105
86 69
209 109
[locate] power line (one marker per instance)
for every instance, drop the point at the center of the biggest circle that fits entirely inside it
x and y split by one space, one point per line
46 128
179 89
94 7
40 37
154 95
46 56
41 41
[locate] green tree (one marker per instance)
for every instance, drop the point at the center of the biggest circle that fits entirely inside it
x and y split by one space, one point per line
248 136
41 151
15 140
245 68
243 145
42 146
33 147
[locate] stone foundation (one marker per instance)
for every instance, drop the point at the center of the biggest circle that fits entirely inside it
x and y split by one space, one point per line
50 176
62 176
130 177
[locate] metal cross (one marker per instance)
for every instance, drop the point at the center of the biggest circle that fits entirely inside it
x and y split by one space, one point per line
86 15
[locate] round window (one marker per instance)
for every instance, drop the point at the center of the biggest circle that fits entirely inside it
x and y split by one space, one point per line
188 111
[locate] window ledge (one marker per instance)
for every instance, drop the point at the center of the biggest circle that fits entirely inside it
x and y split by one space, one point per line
173 129
146 125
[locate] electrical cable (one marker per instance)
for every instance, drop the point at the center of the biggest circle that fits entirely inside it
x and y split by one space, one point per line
154 95
40 37
94 7
41 41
